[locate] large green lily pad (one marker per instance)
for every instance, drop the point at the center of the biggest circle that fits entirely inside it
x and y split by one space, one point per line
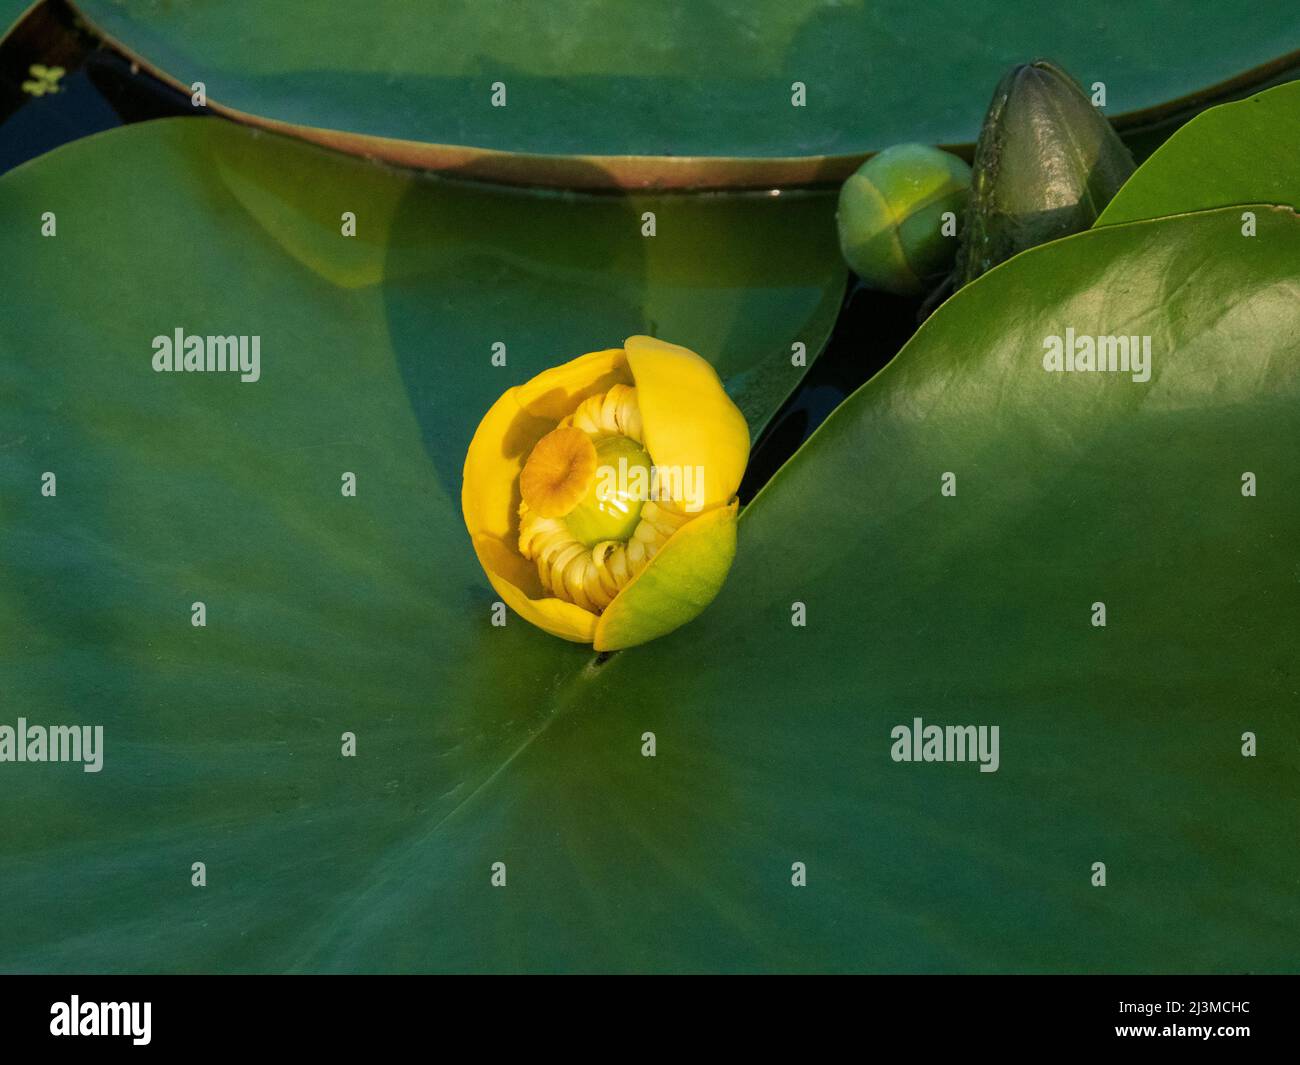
677 82
1237 153
479 745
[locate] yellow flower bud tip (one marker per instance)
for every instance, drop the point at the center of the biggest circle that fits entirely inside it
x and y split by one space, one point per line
559 473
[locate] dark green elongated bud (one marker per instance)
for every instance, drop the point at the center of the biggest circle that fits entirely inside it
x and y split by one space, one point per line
892 217
1046 164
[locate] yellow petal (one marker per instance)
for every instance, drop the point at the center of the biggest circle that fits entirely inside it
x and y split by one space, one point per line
566 620
490 488
688 421
682 579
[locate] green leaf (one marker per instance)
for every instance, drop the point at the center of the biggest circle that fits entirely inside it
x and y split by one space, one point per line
13 12
478 745
683 84
1236 153
183 488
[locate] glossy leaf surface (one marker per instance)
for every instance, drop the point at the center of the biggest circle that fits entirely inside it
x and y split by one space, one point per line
478 745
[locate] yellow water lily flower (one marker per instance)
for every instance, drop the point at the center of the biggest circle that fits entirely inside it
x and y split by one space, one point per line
600 496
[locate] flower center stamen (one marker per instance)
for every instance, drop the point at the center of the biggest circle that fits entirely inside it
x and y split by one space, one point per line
595 533
612 506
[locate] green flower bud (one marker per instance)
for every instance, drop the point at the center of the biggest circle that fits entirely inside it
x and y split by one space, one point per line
1046 164
891 216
